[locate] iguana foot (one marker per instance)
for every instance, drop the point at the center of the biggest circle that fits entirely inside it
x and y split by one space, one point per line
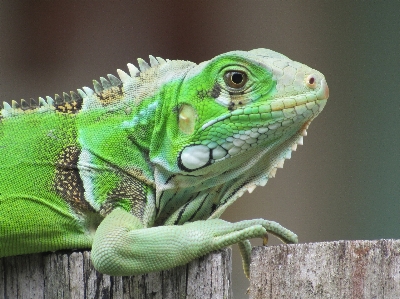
122 246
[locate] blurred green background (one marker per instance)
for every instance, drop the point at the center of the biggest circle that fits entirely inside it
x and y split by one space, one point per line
344 183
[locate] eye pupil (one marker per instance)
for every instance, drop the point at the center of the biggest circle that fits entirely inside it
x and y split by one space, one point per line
237 78
311 80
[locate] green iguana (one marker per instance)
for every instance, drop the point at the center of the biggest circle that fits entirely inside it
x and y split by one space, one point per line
141 168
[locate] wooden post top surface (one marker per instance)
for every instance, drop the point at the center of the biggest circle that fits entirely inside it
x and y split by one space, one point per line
340 269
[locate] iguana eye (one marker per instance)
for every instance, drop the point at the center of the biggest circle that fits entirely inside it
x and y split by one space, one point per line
235 79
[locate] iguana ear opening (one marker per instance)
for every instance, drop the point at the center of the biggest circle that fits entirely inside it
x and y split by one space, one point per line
187 119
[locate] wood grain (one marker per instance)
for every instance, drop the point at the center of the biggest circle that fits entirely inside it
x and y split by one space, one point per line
342 269
63 275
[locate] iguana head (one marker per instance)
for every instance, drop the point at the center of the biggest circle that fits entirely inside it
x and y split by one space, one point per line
238 117
244 100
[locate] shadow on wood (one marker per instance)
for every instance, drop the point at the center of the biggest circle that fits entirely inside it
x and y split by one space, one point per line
342 269
71 275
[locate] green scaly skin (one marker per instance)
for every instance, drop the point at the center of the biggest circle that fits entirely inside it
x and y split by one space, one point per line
140 168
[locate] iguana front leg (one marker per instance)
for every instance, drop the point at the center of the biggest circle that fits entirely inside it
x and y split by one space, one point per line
122 246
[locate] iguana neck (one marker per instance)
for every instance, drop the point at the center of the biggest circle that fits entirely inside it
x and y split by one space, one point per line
224 182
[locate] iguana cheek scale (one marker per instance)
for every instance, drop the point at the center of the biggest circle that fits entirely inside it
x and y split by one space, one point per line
141 167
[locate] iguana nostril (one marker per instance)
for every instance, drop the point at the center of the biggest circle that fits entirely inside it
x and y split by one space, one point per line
311 82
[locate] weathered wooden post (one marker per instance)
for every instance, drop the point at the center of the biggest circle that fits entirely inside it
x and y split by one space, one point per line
342 269
71 275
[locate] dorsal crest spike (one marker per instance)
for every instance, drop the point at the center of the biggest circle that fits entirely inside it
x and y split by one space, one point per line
74 96
14 104
58 100
161 60
114 80
105 83
50 101
81 93
97 86
42 102
7 107
33 103
89 92
133 70
153 61
143 65
125 78
24 104
66 97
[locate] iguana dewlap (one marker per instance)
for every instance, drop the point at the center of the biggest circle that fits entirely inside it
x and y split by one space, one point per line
140 168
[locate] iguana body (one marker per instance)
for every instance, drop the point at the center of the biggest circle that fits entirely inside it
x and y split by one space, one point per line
141 168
